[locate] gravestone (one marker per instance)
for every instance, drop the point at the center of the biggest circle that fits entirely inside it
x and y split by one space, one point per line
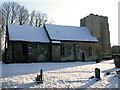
97 73
41 75
39 78
117 60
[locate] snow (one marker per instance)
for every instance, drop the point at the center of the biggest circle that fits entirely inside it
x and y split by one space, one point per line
71 33
59 75
27 33
56 33
0 73
58 42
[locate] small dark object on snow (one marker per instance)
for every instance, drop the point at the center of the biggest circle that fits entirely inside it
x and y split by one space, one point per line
97 61
118 71
38 79
108 73
92 77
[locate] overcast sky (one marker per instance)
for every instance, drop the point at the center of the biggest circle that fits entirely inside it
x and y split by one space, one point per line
69 12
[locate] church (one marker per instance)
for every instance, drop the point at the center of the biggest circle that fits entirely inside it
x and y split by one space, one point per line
56 43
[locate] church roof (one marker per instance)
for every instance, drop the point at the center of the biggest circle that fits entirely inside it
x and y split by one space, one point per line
27 33
56 33
69 33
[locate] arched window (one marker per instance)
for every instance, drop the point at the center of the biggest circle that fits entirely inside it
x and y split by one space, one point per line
90 51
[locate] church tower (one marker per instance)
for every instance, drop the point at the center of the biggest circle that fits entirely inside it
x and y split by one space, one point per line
99 27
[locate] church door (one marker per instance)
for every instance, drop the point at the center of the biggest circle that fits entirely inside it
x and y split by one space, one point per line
83 57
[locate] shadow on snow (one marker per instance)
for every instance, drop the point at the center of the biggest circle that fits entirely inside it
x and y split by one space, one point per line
9 70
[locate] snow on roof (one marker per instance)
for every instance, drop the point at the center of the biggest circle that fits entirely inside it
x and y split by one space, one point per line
27 33
70 33
57 42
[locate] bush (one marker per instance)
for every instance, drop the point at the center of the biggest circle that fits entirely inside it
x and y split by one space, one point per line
108 73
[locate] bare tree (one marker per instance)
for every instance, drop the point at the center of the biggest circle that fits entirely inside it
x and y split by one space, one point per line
6 11
23 15
32 17
14 11
36 20
37 15
40 19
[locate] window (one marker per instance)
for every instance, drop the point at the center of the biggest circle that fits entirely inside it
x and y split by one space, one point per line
62 50
25 49
29 50
76 48
90 51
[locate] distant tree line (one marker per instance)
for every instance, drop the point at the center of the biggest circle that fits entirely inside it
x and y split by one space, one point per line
14 13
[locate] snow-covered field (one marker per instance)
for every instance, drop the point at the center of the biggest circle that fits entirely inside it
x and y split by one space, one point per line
59 75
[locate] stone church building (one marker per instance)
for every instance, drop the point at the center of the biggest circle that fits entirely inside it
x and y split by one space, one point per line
53 43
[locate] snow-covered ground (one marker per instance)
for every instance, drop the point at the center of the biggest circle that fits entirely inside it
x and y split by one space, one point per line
59 75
